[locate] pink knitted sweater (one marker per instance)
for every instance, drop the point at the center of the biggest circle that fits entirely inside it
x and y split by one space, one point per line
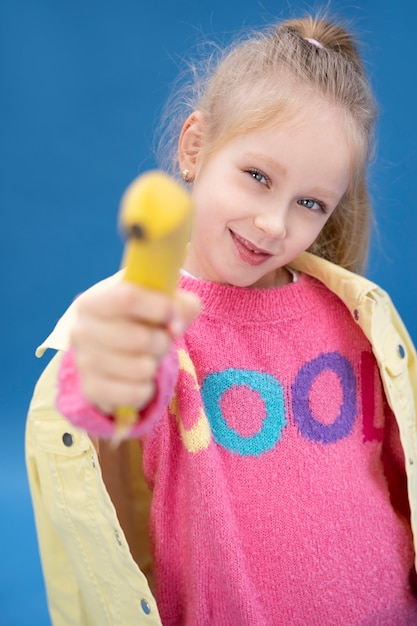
272 467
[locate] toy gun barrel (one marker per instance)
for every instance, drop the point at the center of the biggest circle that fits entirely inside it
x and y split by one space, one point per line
155 217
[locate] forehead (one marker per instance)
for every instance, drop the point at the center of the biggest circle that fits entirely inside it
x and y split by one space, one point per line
313 142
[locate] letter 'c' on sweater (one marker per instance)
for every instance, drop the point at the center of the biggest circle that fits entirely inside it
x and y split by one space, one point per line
198 436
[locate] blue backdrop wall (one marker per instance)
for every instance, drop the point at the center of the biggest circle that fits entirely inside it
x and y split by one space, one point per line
82 85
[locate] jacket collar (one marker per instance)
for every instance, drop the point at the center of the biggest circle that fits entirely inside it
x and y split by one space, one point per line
350 287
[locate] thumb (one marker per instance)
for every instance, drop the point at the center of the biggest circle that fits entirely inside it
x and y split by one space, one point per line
187 306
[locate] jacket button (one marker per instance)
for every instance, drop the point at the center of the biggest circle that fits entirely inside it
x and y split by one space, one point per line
401 351
145 606
68 439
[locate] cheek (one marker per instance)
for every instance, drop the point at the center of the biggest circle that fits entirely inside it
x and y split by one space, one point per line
317 232
307 229
303 235
201 208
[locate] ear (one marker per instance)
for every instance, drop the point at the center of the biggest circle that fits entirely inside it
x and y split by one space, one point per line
190 142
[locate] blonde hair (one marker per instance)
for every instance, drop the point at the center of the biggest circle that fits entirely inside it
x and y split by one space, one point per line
266 79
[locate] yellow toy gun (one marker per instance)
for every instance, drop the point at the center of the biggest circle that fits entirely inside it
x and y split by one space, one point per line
155 217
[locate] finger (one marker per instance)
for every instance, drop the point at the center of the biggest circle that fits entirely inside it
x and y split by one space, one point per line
108 394
127 300
101 334
187 307
118 367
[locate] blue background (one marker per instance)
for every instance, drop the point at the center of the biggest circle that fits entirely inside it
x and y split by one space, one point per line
82 86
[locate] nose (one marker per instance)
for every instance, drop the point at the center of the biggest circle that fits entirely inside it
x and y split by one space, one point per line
272 222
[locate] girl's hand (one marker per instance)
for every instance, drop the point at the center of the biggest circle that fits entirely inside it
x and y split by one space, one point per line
119 338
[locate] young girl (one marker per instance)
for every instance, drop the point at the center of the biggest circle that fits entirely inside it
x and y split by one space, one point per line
269 394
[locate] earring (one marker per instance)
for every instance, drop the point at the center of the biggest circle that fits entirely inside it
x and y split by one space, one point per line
186 177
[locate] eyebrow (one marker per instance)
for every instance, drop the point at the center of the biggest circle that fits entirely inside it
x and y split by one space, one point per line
269 161
327 193
279 167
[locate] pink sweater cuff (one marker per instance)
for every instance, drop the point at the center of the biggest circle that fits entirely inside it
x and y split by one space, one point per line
81 413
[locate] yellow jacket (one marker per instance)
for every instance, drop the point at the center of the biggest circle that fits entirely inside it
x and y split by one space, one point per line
91 501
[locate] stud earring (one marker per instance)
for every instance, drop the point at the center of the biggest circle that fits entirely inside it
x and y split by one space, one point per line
186 177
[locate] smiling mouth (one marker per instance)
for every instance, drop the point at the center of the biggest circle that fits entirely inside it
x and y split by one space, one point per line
248 252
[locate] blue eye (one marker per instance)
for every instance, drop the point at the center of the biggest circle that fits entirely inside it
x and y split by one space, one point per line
313 205
257 175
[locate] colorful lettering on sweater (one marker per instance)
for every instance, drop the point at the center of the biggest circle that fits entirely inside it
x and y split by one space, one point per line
267 391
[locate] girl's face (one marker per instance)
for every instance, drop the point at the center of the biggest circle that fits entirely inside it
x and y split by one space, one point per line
263 198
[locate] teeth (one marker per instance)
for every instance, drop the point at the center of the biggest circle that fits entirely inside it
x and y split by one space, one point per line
246 246
245 243
252 250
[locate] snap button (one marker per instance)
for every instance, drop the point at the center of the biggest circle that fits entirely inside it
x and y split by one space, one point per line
356 314
68 439
393 352
401 351
145 606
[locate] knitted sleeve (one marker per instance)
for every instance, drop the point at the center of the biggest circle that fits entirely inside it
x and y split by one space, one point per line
81 413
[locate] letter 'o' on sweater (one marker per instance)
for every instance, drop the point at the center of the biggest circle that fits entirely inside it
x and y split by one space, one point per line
309 427
271 393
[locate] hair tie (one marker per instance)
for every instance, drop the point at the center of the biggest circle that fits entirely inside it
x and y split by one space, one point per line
314 42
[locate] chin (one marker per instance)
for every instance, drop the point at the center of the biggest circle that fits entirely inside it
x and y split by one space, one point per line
245 283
